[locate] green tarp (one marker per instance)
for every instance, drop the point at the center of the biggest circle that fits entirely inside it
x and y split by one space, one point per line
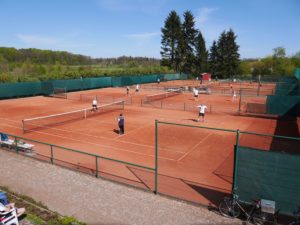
13 90
268 175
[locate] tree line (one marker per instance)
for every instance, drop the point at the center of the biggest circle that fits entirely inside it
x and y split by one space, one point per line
183 49
22 65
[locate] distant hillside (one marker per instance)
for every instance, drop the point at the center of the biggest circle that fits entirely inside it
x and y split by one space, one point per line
21 65
38 56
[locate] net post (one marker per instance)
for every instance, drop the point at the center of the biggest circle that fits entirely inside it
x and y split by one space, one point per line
66 93
23 127
235 171
97 175
16 142
240 102
51 149
156 157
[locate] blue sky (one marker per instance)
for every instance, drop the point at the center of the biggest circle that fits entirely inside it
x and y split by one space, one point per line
112 28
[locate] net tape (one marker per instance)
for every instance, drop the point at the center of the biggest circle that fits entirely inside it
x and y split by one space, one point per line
167 94
33 124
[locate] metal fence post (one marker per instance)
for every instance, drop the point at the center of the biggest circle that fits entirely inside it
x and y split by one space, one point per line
240 101
51 148
156 157
23 127
97 175
16 143
236 149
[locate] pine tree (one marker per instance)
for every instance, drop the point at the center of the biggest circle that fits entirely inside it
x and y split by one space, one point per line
171 35
224 56
221 64
213 59
188 43
201 54
233 56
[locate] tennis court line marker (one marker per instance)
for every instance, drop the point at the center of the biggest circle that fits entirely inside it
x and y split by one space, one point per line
104 146
195 146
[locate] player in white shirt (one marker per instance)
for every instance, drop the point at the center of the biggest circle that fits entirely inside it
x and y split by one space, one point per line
94 104
196 94
202 109
233 95
137 88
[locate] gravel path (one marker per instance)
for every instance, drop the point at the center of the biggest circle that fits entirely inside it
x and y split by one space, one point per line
97 201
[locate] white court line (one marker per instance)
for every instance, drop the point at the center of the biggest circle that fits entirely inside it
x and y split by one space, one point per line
132 131
104 146
111 139
195 146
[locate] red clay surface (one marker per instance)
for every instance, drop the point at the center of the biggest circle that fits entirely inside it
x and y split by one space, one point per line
194 164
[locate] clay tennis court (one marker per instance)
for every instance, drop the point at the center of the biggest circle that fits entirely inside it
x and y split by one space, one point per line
193 164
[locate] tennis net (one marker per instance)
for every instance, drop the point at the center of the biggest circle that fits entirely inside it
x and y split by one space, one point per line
169 93
59 93
37 123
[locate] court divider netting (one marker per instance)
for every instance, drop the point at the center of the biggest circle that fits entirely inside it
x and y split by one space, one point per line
167 94
37 123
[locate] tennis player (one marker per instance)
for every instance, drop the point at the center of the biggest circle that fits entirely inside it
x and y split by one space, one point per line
127 90
121 124
137 88
202 109
94 105
233 95
196 94
158 80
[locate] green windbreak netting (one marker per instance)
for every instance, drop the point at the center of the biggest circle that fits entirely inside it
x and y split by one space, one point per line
171 76
183 76
283 105
47 87
149 78
11 90
99 82
82 84
287 86
297 73
268 175
131 80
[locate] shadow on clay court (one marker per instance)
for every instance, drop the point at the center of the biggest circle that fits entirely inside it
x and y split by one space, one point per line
286 126
210 193
116 131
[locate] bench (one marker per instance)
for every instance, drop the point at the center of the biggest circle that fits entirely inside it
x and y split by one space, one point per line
19 145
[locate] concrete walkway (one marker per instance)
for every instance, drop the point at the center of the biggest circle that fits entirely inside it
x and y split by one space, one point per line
97 201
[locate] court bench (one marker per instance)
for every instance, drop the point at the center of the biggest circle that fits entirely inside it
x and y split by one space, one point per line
17 145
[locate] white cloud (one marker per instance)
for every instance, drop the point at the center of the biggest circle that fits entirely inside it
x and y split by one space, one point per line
49 42
203 14
142 36
37 40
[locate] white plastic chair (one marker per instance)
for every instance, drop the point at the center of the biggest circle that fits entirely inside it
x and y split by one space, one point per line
9 218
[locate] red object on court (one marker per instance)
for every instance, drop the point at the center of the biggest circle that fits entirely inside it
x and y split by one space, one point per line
206 76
